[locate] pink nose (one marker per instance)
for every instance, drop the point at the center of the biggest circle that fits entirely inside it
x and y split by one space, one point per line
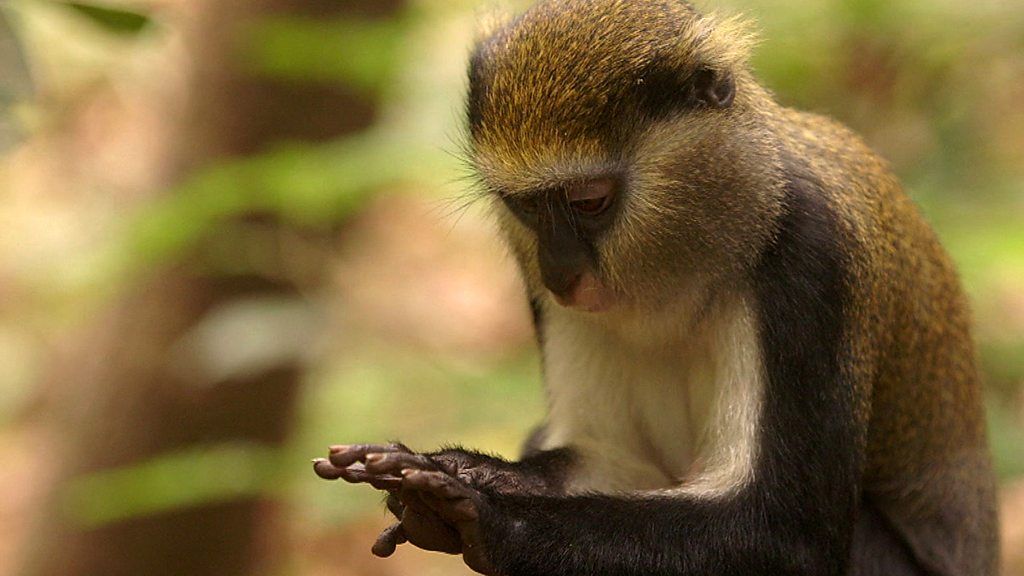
564 293
586 293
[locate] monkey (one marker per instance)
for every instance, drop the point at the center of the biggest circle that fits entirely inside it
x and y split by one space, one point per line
757 356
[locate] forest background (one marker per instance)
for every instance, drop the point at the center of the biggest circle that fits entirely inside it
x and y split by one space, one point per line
233 231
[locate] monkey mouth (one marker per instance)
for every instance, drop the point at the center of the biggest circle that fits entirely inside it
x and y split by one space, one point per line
586 294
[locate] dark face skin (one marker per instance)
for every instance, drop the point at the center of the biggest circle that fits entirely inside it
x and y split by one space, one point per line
567 221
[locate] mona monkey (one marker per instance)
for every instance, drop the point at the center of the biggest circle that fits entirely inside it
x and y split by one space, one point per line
757 356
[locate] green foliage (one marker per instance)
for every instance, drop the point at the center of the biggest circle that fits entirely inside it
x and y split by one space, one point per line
113 20
380 391
362 53
173 481
1007 440
919 79
306 185
15 81
981 239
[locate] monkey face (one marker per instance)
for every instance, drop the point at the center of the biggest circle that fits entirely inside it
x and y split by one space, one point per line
624 161
566 222
668 219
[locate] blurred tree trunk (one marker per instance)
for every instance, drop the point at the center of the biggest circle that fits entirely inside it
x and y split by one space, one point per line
125 401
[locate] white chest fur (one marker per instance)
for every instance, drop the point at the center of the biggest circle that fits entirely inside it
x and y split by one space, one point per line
649 408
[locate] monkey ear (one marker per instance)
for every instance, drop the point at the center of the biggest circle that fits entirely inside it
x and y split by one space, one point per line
714 89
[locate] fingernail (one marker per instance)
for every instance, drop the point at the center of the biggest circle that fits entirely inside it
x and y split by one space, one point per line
316 460
374 457
337 448
408 472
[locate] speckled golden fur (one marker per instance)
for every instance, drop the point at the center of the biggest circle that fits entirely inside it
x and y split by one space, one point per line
535 139
927 457
704 197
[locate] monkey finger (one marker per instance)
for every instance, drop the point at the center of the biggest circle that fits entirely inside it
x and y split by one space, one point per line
436 483
413 500
444 495
455 504
430 532
389 540
388 483
395 505
326 470
343 456
393 463
355 474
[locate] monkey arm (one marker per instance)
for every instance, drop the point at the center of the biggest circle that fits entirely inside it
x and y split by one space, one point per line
792 521
428 517
537 473
796 515
794 518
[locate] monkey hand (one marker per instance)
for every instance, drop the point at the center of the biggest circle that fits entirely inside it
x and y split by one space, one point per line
436 509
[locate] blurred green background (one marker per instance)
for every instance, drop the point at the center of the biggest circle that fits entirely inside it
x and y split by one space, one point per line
233 232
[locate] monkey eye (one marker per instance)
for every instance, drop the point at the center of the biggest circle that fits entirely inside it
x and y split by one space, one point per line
525 207
591 198
528 205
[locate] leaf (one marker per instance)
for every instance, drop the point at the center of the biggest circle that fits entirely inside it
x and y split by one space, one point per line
169 482
115 20
10 134
15 82
303 185
361 53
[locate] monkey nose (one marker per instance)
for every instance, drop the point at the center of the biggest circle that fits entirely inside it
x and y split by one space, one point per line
585 293
565 288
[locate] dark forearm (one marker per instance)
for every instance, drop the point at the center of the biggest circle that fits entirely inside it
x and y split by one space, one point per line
538 474
680 536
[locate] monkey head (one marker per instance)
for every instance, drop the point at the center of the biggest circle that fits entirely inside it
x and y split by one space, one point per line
626 147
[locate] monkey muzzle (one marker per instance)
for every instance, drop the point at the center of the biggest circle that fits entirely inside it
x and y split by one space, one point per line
585 293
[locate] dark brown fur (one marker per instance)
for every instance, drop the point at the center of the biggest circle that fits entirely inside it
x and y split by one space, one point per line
555 93
744 252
